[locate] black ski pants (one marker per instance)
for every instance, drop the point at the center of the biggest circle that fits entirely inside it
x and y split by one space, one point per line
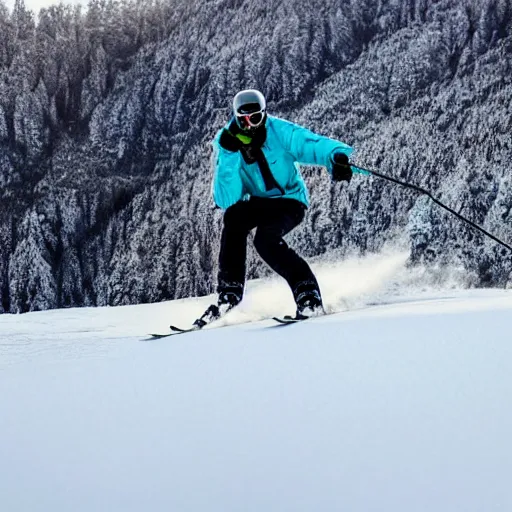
272 218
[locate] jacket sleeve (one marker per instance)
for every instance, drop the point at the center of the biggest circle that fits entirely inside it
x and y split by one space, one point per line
309 148
227 186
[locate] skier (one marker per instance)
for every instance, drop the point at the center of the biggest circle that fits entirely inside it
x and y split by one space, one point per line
258 183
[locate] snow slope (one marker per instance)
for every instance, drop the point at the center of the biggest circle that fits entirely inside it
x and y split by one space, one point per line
399 406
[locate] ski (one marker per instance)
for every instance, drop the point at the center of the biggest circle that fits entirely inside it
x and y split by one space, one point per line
163 335
174 331
177 330
211 315
288 320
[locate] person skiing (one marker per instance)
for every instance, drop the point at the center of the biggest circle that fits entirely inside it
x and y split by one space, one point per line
257 181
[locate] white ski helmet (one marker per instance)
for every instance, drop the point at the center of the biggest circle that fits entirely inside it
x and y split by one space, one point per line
249 108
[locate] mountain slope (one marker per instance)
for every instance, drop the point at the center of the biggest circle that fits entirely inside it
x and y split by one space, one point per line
106 118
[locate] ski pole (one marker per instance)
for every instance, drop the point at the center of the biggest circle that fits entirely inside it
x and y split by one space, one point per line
442 205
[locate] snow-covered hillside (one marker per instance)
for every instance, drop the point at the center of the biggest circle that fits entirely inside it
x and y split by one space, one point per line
398 403
107 114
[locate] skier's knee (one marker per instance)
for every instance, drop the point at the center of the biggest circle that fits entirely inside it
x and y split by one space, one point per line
266 243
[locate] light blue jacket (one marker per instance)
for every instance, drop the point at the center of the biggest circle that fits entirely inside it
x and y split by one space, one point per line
286 146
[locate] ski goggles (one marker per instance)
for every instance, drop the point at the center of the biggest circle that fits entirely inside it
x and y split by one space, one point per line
252 120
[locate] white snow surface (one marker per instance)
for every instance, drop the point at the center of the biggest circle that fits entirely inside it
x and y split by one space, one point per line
399 402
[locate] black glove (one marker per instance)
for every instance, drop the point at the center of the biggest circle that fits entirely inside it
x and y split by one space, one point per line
341 170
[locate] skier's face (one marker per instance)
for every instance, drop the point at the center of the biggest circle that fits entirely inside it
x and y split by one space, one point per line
250 116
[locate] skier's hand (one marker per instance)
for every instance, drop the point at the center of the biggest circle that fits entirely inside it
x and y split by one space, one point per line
341 170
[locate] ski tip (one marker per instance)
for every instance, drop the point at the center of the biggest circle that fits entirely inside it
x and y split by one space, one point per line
178 329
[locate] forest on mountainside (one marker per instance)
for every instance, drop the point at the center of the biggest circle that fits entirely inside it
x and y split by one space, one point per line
107 114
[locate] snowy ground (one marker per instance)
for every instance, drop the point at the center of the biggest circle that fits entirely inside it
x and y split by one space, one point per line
399 403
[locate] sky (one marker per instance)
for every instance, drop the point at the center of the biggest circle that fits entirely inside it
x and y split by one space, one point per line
35 5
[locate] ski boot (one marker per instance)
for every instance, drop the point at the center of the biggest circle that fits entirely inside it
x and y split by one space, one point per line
308 300
229 297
